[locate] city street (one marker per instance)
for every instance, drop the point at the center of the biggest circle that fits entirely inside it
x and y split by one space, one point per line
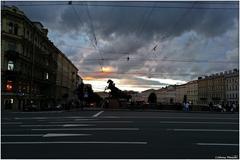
119 134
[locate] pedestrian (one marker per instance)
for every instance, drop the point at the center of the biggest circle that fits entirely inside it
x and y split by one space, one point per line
187 107
233 107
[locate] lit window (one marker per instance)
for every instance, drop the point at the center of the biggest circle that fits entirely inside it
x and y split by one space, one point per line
46 76
10 65
9 86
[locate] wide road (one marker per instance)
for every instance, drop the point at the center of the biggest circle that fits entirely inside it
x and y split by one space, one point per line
119 134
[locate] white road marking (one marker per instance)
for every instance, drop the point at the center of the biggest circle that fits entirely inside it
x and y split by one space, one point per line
182 122
77 125
39 125
204 130
96 115
97 122
21 135
159 117
38 118
44 135
111 117
63 135
217 144
39 112
42 118
88 129
52 125
11 123
82 142
84 119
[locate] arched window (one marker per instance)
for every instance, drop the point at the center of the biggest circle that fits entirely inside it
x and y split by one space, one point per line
10 65
16 29
10 26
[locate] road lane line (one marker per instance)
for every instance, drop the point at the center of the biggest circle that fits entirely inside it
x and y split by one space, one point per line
182 122
96 115
96 122
217 144
77 125
88 129
52 125
158 117
44 135
11 123
39 125
82 142
63 135
21 135
203 130
84 119
45 118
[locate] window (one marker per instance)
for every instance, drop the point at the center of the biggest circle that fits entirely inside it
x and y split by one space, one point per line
12 46
10 65
46 76
16 29
10 26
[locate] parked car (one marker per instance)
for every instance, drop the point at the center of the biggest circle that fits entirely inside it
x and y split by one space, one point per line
218 108
30 107
57 107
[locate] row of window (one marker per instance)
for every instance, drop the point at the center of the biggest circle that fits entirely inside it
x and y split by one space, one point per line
13 28
232 80
232 87
232 95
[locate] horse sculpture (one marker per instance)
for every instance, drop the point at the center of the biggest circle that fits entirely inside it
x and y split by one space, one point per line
115 92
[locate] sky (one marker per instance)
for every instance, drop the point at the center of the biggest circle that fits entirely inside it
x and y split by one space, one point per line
141 45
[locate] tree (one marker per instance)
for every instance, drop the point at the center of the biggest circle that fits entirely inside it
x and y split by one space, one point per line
152 98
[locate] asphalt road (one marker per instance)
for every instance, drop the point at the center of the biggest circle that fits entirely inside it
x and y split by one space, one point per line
119 134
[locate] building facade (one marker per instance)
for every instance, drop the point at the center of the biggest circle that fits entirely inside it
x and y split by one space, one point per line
232 87
203 90
181 91
29 63
192 92
67 77
167 95
216 88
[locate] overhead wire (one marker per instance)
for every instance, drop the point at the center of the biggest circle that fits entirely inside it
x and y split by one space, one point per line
175 25
94 43
137 6
94 36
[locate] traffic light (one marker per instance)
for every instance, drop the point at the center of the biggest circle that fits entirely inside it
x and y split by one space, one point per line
9 86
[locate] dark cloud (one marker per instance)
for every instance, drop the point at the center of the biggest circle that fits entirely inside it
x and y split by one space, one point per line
183 33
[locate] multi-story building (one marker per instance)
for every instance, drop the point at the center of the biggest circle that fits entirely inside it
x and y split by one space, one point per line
145 94
167 95
181 92
67 77
192 91
216 88
29 64
232 86
203 90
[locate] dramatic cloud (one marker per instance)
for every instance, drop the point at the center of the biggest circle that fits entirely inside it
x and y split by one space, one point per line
178 41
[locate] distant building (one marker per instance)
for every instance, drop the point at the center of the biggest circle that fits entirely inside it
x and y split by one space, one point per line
203 91
216 88
232 86
192 91
103 95
145 94
167 95
181 91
